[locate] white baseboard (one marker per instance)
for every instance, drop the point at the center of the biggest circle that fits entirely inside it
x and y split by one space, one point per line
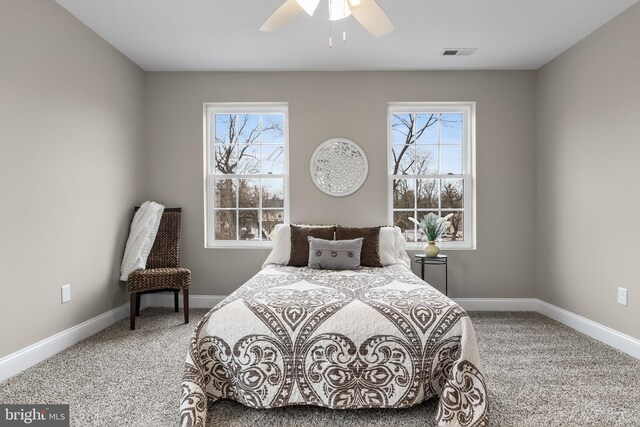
595 330
22 359
36 353
29 356
605 334
497 304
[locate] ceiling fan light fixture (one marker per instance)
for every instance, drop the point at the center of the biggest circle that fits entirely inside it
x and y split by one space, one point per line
338 9
368 13
309 6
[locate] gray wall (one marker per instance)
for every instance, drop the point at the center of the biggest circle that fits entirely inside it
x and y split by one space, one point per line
354 105
587 185
71 141
76 115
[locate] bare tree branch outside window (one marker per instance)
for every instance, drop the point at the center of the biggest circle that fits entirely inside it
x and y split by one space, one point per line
250 145
424 149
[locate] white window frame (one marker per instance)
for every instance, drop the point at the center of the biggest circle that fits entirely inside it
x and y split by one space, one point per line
468 110
210 109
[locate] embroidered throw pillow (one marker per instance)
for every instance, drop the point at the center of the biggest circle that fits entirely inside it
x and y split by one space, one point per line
334 254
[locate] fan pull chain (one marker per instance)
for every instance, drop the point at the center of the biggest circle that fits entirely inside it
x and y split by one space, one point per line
330 27
344 22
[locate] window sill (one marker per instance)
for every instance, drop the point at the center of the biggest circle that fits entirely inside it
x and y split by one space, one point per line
420 246
239 245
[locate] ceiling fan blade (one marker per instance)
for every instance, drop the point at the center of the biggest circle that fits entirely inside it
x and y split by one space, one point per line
309 6
285 13
371 16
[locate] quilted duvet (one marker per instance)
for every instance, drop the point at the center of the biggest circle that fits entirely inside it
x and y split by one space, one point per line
369 338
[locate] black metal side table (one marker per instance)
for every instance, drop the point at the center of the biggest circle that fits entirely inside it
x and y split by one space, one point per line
423 260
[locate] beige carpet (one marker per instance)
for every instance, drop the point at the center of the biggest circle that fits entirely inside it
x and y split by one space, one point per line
539 373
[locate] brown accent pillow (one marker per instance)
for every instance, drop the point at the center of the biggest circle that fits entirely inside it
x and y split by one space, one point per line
300 243
370 256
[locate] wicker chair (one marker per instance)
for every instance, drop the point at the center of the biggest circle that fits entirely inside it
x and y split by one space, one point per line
162 272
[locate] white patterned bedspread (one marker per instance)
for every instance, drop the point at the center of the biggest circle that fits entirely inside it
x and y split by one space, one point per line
371 338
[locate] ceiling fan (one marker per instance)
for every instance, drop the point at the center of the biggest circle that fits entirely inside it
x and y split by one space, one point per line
367 12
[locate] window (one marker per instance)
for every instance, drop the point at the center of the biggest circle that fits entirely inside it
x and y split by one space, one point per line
246 173
431 169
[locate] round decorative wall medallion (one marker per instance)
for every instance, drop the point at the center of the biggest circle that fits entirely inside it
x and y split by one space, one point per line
339 167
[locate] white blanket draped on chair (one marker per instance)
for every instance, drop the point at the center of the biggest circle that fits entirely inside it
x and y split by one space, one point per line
142 234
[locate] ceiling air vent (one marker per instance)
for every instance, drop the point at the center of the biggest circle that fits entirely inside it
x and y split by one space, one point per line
459 51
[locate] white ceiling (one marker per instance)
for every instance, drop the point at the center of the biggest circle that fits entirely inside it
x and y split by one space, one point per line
172 35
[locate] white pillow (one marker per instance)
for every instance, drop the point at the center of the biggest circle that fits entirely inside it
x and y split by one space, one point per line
401 244
392 247
281 237
387 246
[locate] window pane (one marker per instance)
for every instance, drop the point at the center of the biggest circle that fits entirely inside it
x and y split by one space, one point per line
401 219
247 146
225 193
402 129
273 193
272 159
248 129
427 167
226 158
451 160
273 129
248 159
420 215
452 193
456 230
403 193
427 193
451 128
427 128
224 128
225 225
249 225
270 218
402 159
426 160
249 193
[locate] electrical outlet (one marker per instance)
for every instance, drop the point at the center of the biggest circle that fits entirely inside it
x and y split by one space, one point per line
66 293
622 296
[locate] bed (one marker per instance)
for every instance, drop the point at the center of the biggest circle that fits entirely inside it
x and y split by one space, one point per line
366 338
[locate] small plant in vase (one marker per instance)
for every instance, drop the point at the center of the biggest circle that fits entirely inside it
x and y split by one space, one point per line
432 226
